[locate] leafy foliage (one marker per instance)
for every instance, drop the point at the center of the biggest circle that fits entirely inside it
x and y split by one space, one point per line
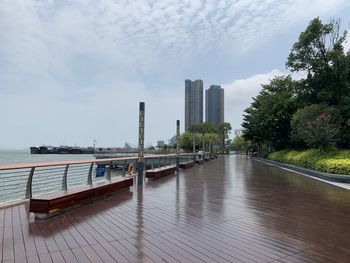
204 136
187 139
336 161
317 125
239 144
267 120
202 128
319 53
224 130
211 138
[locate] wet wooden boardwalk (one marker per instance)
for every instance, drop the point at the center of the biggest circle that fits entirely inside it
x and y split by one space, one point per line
227 210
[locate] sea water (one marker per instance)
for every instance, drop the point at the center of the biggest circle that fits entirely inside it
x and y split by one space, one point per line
24 156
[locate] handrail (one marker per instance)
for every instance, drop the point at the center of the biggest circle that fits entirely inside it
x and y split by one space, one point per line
96 161
18 181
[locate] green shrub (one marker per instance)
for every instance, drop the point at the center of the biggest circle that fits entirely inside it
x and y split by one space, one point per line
317 125
336 161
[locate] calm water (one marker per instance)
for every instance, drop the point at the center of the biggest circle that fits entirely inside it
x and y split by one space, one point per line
24 156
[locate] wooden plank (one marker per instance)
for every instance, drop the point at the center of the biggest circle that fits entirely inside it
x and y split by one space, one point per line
116 254
80 255
136 247
91 254
1 242
82 232
48 238
54 229
78 238
19 249
69 256
102 253
7 246
159 252
57 257
2 215
45 258
30 248
33 259
68 239
39 241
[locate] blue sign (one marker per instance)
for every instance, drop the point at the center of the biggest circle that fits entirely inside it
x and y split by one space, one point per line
100 170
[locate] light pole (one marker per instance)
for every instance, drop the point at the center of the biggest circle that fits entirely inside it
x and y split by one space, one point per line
140 163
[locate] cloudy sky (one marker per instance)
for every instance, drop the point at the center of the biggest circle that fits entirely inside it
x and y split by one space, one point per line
72 71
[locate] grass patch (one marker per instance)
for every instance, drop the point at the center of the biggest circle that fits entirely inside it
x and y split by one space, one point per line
336 161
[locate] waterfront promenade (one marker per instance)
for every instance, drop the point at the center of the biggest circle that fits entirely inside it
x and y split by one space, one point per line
230 209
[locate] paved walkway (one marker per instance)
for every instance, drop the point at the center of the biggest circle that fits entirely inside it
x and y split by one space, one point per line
231 209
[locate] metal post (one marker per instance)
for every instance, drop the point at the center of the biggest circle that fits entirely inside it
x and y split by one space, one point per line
124 166
203 144
194 146
140 162
109 176
89 181
177 145
159 162
29 184
64 179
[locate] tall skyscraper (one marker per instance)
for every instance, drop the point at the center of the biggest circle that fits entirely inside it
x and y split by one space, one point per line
193 102
214 105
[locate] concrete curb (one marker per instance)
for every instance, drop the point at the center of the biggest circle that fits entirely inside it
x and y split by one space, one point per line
340 178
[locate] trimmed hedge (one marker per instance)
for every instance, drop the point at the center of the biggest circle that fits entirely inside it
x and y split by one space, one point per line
336 162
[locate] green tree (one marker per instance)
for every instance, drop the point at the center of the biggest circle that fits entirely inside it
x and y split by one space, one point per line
166 149
319 52
267 120
239 144
318 126
187 139
318 47
211 138
202 128
224 130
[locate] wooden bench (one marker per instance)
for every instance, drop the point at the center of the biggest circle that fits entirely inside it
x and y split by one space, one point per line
187 165
160 172
200 161
51 204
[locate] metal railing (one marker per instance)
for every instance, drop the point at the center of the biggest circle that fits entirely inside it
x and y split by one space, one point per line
22 181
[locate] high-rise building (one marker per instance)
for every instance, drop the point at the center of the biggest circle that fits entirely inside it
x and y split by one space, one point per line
214 105
193 102
160 144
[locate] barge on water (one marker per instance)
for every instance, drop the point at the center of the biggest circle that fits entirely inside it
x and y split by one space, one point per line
61 150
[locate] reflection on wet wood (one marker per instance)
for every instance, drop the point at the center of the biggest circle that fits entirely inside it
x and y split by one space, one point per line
231 209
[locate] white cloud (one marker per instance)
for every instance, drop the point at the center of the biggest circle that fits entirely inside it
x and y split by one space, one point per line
239 94
78 65
145 32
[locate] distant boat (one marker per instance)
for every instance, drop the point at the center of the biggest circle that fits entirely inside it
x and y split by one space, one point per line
34 150
61 150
